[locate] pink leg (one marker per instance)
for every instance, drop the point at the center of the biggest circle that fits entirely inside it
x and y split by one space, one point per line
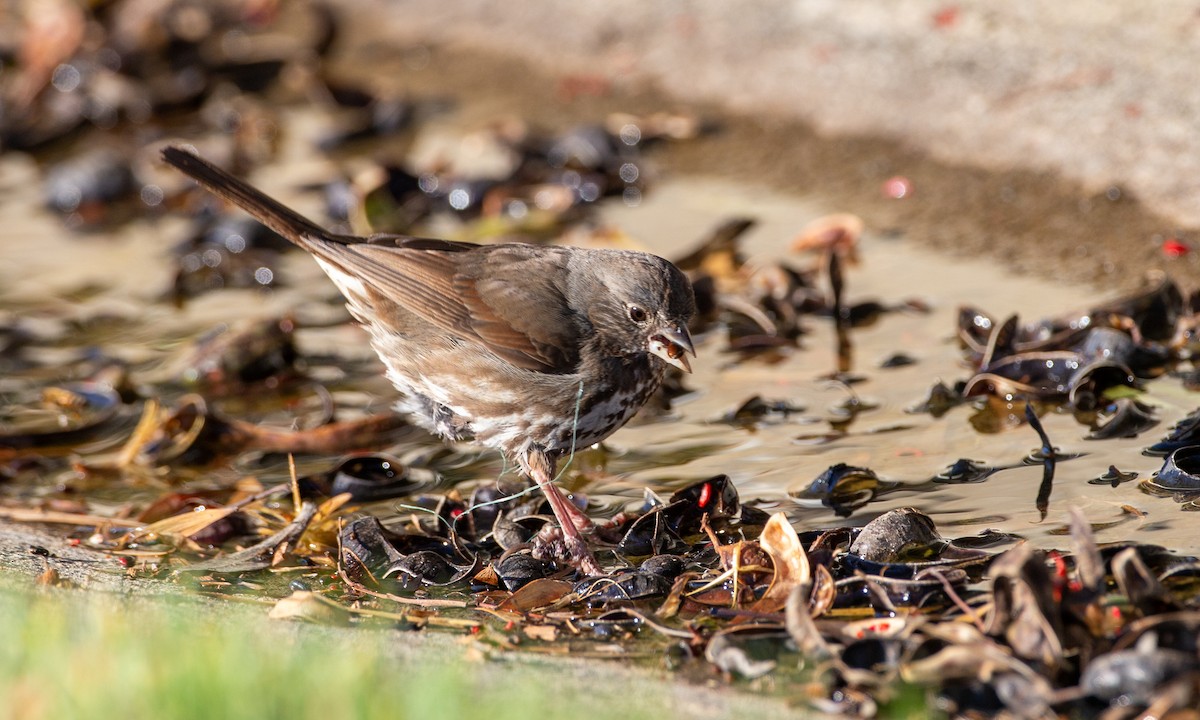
563 506
570 518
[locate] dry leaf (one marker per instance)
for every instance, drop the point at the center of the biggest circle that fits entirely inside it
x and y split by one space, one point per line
792 568
487 576
824 591
547 633
307 606
537 594
187 524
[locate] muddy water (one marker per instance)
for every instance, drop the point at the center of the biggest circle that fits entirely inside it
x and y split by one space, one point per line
104 291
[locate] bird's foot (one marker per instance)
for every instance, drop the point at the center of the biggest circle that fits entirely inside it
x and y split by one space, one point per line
572 521
562 545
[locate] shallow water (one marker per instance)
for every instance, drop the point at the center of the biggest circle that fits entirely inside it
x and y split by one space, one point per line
103 294
771 460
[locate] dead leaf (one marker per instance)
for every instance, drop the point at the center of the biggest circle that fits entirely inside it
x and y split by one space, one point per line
547 633
1089 565
743 562
330 506
801 627
780 541
37 515
142 433
824 591
1024 611
309 607
487 576
730 658
186 524
670 606
259 556
537 594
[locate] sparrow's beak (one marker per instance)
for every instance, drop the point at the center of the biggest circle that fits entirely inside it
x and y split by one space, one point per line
673 344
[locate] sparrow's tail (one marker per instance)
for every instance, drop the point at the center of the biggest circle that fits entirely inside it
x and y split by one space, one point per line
265 209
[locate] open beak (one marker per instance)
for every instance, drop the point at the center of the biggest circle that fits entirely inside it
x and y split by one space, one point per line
673 344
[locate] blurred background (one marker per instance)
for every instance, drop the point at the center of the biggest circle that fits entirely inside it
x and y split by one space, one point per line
1065 135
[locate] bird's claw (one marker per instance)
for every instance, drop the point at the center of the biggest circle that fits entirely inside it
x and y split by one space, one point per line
552 543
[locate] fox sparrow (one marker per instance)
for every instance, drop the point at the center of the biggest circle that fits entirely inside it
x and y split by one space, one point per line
534 350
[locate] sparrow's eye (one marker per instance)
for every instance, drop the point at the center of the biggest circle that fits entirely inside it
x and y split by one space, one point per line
637 314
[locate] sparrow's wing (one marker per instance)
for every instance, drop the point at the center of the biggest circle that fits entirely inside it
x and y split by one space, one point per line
507 298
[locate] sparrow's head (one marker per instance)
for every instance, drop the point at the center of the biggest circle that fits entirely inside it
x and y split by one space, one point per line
640 303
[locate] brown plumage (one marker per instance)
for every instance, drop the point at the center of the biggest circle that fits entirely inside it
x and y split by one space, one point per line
533 350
